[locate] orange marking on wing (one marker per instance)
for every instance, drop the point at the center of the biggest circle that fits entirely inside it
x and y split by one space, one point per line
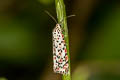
54 58
62 35
57 69
64 67
66 58
60 60
65 50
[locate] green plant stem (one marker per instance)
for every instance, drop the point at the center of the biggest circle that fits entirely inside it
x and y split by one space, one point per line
61 16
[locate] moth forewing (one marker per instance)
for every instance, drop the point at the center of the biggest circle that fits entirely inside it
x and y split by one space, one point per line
60 57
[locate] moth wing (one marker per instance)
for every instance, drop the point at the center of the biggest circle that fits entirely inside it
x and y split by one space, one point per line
60 57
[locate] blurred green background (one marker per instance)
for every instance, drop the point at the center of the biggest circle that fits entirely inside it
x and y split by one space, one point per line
26 39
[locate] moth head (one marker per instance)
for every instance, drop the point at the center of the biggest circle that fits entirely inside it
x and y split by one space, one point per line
58 25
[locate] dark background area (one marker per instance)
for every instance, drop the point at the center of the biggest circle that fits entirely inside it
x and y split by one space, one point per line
26 39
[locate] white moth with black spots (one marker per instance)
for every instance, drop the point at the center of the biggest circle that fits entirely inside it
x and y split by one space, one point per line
60 57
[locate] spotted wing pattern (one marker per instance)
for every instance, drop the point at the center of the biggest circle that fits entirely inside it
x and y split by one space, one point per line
60 57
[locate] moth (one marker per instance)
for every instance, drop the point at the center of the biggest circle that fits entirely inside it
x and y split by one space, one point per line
60 56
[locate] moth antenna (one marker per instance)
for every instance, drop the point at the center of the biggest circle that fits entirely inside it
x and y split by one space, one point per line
67 17
51 16
70 16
